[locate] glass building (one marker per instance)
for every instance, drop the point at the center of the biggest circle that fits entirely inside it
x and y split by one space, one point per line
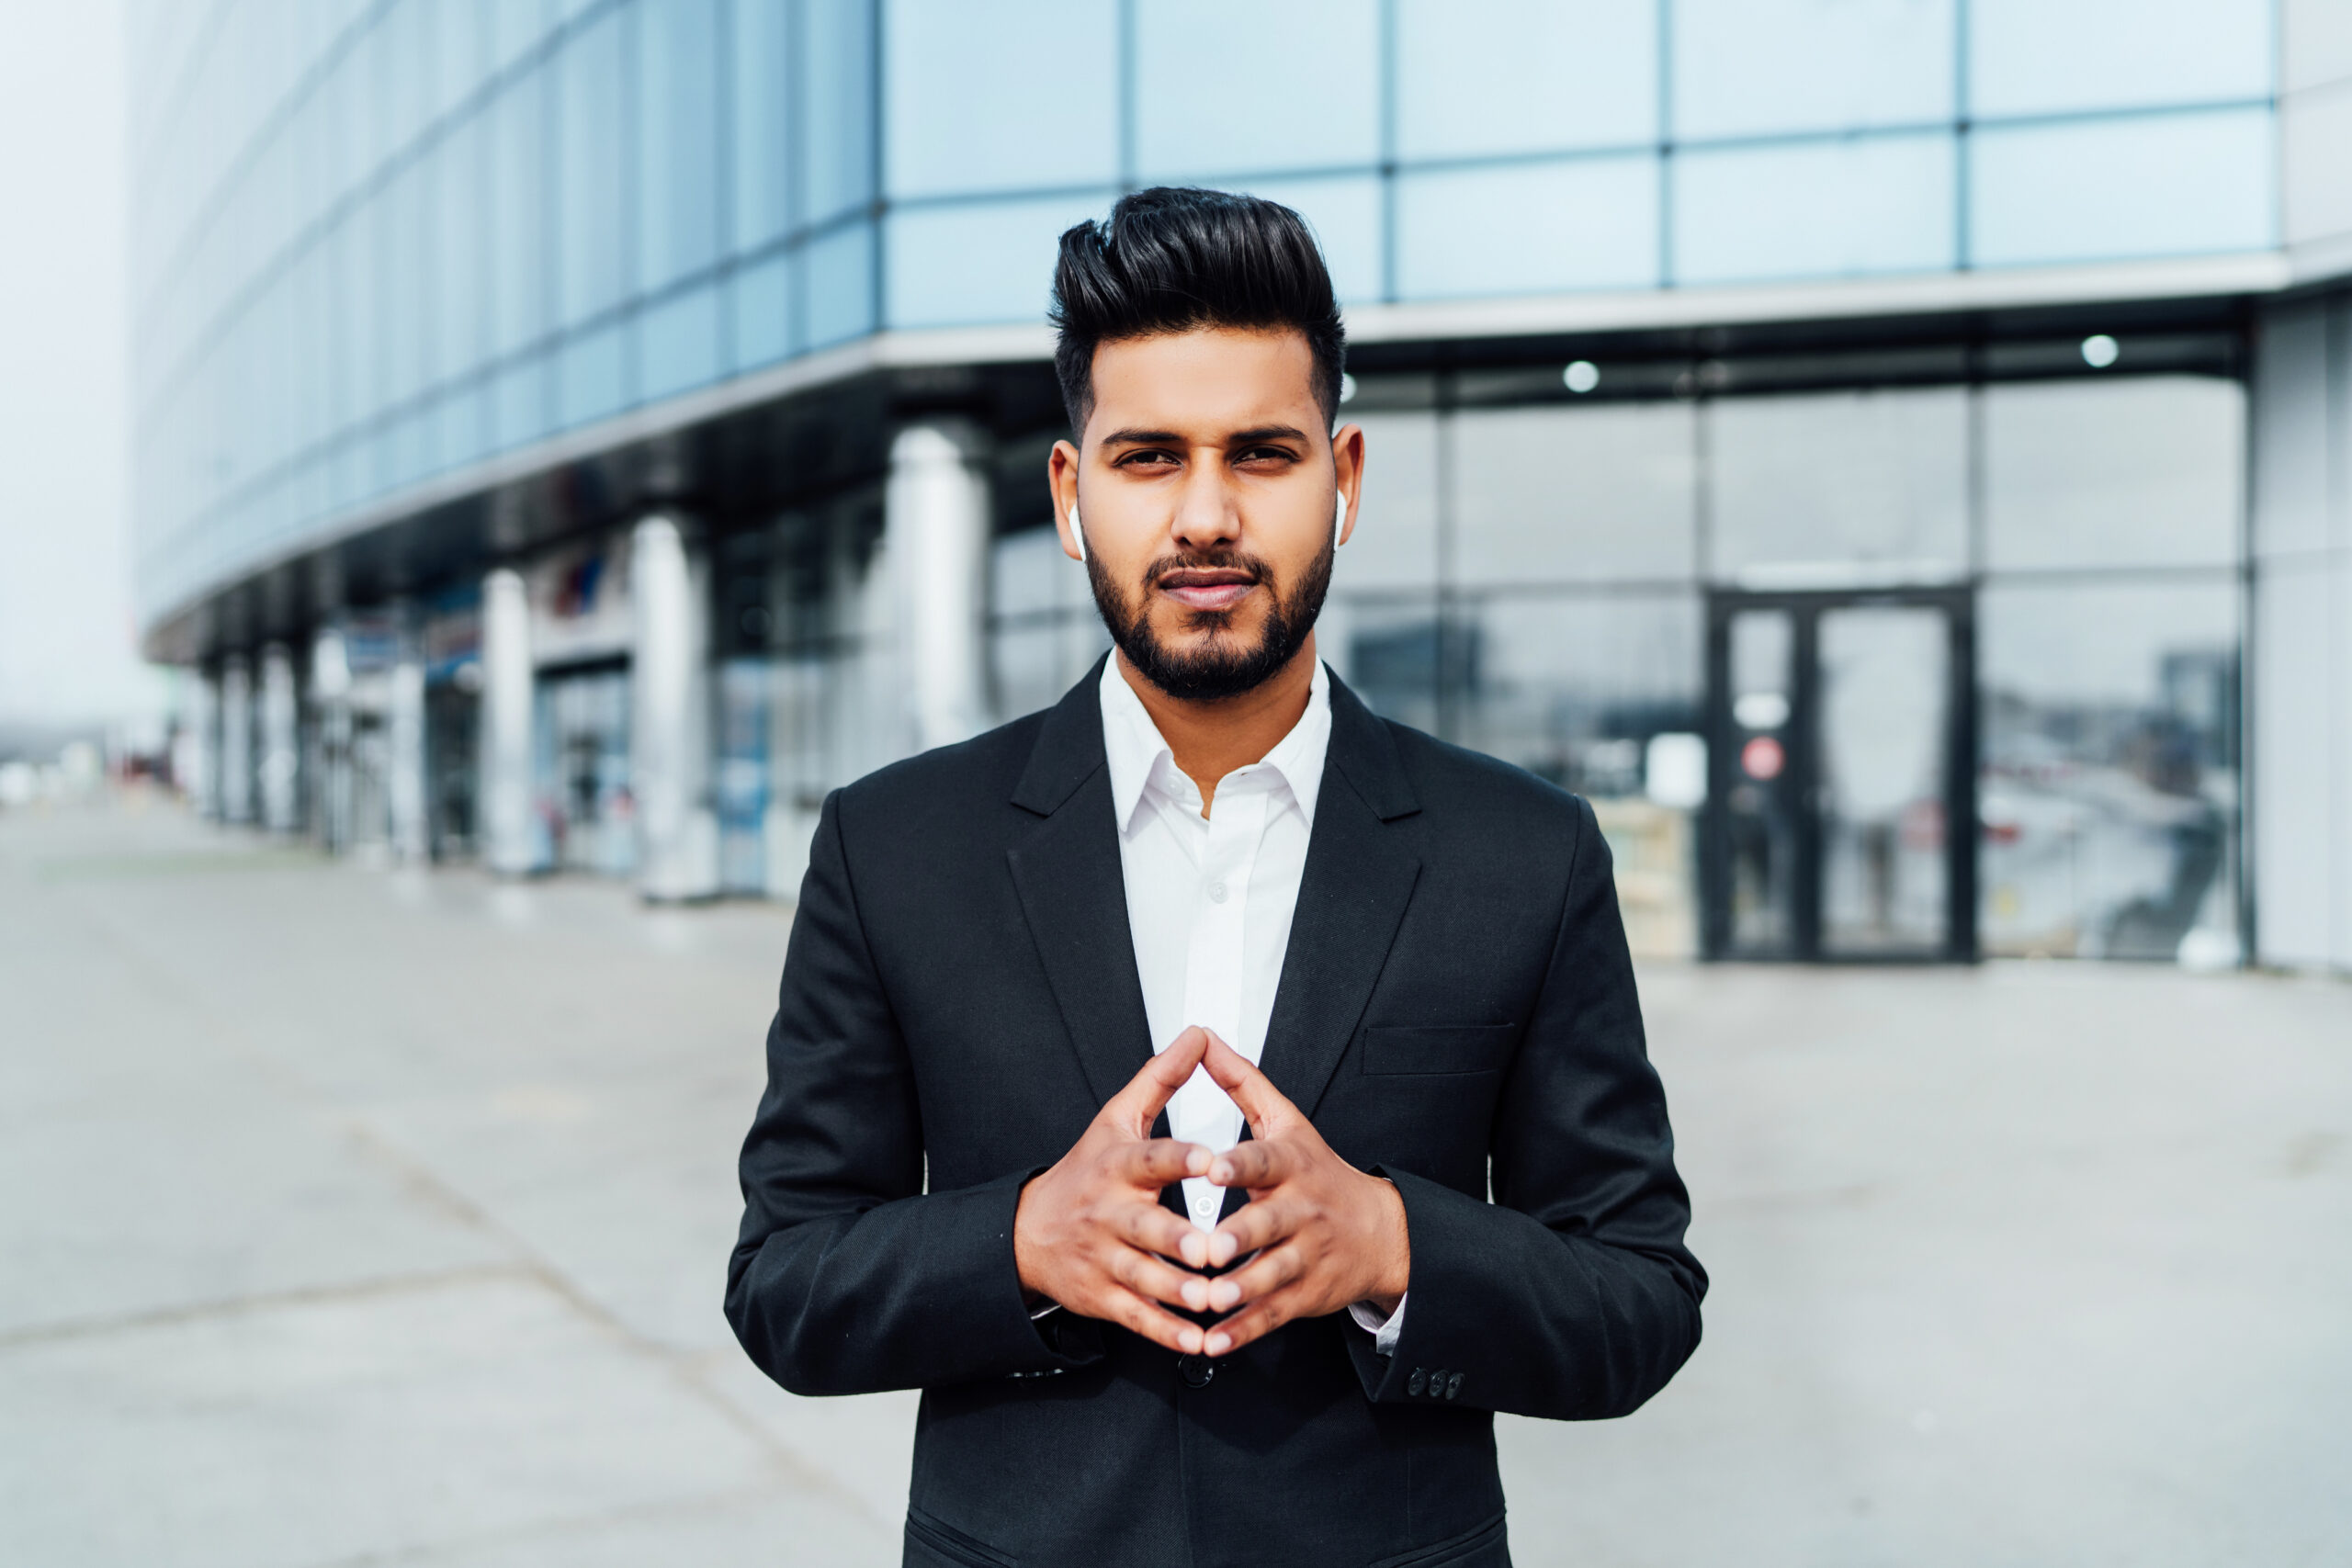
1893 456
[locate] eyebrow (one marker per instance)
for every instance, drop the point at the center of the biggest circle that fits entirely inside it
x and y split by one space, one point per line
1172 438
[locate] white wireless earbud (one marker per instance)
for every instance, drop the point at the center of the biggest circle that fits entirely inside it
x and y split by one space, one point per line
1339 519
1078 533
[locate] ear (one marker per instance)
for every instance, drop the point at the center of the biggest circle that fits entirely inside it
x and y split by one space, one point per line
1347 468
1061 479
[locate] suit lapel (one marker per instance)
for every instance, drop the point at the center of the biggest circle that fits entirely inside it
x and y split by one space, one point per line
1073 893
1361 868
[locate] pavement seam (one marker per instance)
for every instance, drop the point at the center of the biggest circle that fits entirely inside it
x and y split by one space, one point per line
263 1300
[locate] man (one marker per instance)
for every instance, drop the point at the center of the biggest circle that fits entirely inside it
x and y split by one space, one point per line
1039 981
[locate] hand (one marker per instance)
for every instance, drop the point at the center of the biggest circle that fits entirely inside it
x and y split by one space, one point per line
1326 1233
1089 1232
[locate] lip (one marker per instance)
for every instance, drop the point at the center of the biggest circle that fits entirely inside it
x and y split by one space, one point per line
1206 588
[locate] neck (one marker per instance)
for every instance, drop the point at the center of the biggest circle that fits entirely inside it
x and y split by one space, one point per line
1210 739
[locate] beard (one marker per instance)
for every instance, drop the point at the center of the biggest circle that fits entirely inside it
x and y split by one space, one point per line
1219 666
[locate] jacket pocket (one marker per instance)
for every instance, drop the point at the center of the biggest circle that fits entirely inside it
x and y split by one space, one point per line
1455 1048
935 1542
1483 1547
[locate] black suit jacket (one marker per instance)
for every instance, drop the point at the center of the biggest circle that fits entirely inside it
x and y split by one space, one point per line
1456 1012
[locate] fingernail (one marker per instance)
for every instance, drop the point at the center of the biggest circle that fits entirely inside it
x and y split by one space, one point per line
1196 1296
1189 1339
1221 1248
1219 1344
1221 1174
1196 1161
1223 1295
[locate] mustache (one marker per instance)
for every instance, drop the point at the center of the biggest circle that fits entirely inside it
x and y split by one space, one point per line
1208 560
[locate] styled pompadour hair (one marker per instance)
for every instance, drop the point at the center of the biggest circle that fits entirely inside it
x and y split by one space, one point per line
1172 259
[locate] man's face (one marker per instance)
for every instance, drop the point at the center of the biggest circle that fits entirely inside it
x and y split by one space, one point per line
1208 487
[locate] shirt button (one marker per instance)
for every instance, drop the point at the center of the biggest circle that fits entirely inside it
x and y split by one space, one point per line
1217 892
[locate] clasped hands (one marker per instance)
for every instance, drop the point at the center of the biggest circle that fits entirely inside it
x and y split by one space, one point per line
1091 1236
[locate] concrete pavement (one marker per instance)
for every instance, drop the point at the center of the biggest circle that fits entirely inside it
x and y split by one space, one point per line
356 1216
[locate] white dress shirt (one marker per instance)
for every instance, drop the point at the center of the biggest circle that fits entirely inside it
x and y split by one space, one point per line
1209 904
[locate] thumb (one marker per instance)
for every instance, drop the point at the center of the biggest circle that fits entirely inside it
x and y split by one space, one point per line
1156 1083
1253 1090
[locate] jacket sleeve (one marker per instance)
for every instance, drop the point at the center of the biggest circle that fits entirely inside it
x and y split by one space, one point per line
847 1277
1570 1296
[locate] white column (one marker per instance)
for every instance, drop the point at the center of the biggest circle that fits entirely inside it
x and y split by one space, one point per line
405 785
937 530
669 762
331 692
196 760
509 847
281 757
236 740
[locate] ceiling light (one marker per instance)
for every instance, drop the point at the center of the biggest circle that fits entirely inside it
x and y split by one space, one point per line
1581 377
2099 350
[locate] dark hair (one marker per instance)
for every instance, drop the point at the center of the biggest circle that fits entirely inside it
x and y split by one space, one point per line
1174 258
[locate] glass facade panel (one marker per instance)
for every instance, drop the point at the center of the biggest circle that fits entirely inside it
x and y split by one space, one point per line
1003 96
840 281
2145 186
984 262
1257 110
518 212
677 139
834 84
678 343
2110 790
593 250
1576 494
1771 67
765 329
2027 57
761 140
1822 483
2149 471
1847 208
1578 74
1528 229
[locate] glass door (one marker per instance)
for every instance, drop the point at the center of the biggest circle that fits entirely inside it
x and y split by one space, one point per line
1842 747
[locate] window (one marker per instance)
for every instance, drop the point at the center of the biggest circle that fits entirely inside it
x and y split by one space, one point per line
1838 209
1770 67
1577 75
2030 58
677 139
1575 494
1825 483
990 260
2138 471
591 194
2147 185
1528 229
1011 95
1345 215
1221 90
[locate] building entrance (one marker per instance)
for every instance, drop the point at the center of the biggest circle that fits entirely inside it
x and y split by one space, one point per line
1841 776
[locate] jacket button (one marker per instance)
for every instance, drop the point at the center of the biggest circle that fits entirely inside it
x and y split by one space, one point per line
1196 1370
1418 1381
1454 1385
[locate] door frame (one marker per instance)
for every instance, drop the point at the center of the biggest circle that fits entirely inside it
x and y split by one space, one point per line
1962 834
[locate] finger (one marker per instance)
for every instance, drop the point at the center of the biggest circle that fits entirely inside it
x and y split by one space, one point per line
1147 1276
1259 1162
1153 1228
1257 1280
1249 1088
1159 1161
1137 1315
1253 1322
1156 1082
1258 1226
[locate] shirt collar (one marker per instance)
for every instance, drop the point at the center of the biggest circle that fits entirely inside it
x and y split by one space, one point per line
1133 745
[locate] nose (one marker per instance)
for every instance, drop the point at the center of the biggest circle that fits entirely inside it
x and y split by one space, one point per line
1207 512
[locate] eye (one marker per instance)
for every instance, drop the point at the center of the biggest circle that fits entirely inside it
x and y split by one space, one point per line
1265 454
1148 457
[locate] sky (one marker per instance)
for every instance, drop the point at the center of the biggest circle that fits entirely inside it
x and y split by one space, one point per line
67 643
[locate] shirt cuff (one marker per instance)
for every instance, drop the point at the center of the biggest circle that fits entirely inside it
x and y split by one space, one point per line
1384 1332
